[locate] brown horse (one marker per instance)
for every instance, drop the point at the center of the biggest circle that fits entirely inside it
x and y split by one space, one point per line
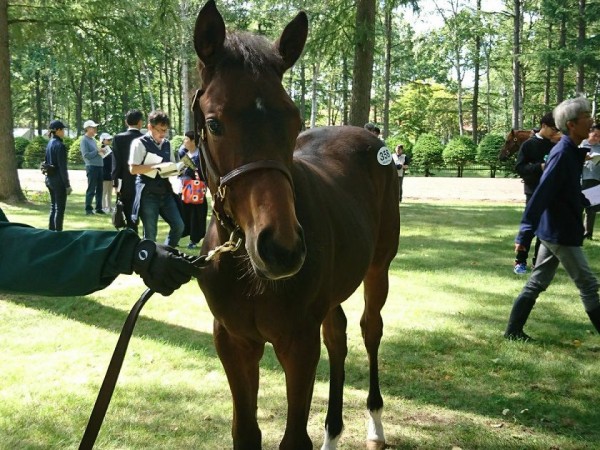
513 142
316 213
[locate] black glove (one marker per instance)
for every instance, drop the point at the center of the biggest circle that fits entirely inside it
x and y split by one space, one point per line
162 268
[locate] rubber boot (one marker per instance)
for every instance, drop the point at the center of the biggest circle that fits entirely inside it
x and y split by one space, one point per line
518 316
594 316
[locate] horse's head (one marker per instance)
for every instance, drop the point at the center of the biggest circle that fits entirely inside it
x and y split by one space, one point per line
249 127
510 147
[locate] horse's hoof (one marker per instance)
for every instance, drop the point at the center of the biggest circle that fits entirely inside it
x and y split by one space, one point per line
375 445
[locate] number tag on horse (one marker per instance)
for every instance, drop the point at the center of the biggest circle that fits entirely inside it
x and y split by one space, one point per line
384 157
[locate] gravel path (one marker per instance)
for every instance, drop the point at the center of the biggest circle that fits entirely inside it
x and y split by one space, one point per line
415 188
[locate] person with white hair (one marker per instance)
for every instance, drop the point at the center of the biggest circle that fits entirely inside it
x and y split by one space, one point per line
94 166
554 215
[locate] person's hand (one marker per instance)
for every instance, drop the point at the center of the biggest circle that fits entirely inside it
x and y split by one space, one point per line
519 248
69 190
162 268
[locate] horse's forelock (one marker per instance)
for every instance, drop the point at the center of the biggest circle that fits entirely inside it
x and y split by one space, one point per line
253 52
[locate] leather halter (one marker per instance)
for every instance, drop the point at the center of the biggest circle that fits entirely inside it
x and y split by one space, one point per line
209 168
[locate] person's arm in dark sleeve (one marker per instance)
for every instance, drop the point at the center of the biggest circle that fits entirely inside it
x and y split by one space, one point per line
544 194
524 166
68 263
61 155
116 163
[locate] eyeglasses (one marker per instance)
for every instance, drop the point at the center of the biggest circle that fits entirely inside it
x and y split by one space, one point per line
162 130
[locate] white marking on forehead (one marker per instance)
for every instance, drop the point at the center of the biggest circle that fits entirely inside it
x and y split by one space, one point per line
260 104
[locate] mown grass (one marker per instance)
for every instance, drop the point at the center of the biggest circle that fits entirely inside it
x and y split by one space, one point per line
448 378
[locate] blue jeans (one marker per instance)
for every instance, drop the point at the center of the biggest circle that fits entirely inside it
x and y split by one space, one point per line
576 265
94 188
151 206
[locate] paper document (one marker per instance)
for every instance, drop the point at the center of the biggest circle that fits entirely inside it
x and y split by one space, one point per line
595 158
107 151
593 195
168 169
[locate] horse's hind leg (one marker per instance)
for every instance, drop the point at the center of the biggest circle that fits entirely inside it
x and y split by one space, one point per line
376 287
240 359
334 337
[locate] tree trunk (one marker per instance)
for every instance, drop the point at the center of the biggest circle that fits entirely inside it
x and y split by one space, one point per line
363 62
560 75
517 103
548 75
388 68
345 82
303 94
10 188
580 44
38 103
313 103
476 63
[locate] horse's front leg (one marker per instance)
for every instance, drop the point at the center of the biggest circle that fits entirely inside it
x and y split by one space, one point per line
334 337
240 359
299 355
376 286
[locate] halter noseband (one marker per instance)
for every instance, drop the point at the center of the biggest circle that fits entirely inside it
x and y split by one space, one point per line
223 181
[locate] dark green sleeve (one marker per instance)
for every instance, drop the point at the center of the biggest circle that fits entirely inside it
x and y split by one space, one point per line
62 263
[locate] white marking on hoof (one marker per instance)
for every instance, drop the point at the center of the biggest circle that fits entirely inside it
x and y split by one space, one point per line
375 427
330 443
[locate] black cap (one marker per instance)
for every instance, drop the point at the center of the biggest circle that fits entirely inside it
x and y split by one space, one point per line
548 120
56 125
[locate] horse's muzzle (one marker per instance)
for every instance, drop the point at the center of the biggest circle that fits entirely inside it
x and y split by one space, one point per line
276 260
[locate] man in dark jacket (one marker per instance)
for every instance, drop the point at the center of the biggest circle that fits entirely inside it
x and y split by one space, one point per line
554 215
123 180
530 166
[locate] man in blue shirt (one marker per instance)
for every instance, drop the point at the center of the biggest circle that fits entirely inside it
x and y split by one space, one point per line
554 215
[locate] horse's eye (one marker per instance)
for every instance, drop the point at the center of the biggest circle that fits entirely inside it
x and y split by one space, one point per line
214 126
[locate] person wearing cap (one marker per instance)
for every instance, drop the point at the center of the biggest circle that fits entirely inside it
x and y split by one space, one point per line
530 167
82 262
123 180
94 167
154 193
590 176
105 142
57 180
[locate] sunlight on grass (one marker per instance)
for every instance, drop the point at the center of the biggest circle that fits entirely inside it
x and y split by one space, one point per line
448 377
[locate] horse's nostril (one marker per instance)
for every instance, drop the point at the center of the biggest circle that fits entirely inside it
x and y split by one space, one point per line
280 259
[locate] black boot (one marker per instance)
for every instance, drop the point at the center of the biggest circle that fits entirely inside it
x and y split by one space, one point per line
595 318
518 316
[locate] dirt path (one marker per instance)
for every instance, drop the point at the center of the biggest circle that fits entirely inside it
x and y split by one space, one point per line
415 188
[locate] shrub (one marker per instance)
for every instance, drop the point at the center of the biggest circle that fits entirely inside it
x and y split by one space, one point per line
427 153
459 152
488 150
176 142
74 157
35 152
21 144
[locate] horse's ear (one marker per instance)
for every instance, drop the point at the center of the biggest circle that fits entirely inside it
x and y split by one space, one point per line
292 40
209 33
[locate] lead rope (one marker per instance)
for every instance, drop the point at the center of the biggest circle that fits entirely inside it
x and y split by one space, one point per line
116 362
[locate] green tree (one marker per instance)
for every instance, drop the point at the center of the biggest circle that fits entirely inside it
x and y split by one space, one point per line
459 152
488 150
427 153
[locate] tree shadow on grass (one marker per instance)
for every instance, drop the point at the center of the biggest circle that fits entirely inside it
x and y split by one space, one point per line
89 312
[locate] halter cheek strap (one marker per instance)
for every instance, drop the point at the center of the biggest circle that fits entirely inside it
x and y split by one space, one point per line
225 180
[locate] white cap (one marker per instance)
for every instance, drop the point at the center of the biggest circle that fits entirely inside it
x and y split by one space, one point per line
89 123
105 136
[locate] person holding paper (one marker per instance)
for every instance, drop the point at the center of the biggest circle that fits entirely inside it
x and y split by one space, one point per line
554 215
590 176
154 193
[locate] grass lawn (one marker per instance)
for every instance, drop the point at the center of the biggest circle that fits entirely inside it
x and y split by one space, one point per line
449 379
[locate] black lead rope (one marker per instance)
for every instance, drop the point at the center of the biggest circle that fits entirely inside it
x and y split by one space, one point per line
116 362
112 374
